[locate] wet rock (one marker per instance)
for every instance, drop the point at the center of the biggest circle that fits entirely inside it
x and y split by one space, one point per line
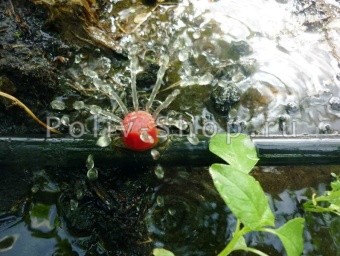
258 95
223 98
292 108
240 48
42 218
338 76
325 128
335 103
236 72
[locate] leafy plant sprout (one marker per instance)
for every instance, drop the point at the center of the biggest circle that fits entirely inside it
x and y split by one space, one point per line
139 131
246 198
328 202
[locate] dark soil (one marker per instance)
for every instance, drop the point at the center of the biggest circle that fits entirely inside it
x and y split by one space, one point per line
31 61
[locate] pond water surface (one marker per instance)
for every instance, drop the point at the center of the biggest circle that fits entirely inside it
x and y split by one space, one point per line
279 57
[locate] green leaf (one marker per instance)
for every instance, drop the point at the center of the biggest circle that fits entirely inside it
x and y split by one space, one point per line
41 211
244 196
238 151
290 235
335 185
331 197
240 244
162 252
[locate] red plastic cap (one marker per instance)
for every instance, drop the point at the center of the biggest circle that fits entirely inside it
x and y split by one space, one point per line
140 132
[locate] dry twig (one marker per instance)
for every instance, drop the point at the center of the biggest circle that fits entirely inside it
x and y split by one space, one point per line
28 111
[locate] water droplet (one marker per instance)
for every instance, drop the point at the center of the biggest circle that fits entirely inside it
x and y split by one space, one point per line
79 193
164 60
98 83
95 110
183 174
134 49
107 89
159 171
183 55
92 174
181 124
146 137
90 73
171 211
78 105
155 154
139 18
35 189
89 162
196 35
65 120
162 136
160 201
77 59
73 204
105 64
58 105
134 64
103 141
205 79
111 116
192 138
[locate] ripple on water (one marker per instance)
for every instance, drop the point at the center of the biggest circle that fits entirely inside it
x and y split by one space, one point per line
187 215
294 65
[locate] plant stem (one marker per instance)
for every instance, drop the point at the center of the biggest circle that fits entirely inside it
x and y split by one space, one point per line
231 245
238 226
28 111
255 251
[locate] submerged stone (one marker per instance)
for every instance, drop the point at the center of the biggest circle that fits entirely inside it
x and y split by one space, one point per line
335 103
292 108
223 98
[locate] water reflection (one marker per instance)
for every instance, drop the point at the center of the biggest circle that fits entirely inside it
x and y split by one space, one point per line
187 215
180 211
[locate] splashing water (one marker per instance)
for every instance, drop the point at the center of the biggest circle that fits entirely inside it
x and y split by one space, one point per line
139 126
283 56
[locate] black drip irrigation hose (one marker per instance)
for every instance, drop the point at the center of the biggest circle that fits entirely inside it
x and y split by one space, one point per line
58 151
